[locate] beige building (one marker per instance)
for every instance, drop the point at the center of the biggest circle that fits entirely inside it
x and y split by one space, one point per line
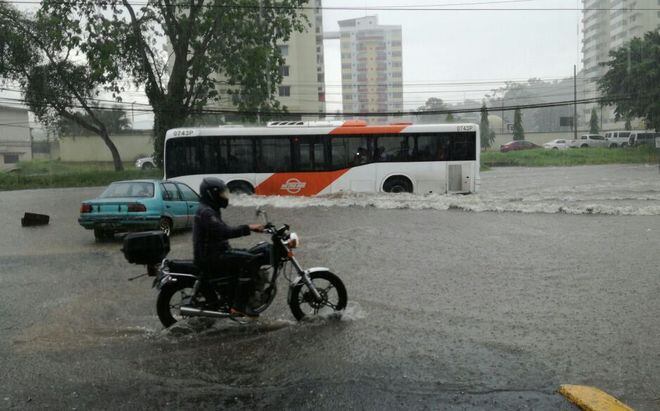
131 146
303 83
303 74
15 139
371 66
607 25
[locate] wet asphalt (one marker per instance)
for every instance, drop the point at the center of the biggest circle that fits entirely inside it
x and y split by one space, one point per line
447 310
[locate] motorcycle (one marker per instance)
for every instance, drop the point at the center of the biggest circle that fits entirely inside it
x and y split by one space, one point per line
185 292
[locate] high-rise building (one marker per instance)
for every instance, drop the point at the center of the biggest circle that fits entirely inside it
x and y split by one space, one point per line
303 83
371 66
608 25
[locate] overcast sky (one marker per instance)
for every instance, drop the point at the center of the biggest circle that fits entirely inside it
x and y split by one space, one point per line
445 47
466 46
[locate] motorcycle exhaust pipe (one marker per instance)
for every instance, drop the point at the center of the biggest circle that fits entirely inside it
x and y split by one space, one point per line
196 312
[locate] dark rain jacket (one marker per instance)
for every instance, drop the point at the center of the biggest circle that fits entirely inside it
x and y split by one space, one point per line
211 235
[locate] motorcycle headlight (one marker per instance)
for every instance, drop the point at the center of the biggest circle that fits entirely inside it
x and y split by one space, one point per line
294 241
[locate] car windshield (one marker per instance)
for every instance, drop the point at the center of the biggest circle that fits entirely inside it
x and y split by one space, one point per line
129 189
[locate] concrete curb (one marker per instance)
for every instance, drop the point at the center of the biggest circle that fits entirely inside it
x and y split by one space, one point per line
591 398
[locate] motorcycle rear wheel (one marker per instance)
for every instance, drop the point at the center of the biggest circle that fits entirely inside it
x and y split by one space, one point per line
172 296
332 290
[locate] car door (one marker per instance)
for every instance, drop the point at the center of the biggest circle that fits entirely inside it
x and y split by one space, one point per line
192 201
174 206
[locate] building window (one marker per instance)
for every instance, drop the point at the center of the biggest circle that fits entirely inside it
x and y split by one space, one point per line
11 158
285 91
284 50
320 78
284 71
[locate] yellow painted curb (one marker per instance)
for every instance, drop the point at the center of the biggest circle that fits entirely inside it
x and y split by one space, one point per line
591 398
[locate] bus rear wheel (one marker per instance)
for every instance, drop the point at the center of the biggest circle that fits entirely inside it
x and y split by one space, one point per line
398 184
240 187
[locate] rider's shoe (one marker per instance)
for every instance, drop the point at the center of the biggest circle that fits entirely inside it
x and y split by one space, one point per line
234 312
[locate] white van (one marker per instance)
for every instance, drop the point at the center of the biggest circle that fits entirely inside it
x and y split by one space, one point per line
617 138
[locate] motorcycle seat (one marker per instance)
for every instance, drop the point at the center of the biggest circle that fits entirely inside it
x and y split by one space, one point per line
183 267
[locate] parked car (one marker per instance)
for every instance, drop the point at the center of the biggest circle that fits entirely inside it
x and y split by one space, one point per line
589 140
617 138
517 145
556 145
138 205
145 163
638 138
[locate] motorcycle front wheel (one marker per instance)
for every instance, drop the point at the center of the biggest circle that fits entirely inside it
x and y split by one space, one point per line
333 296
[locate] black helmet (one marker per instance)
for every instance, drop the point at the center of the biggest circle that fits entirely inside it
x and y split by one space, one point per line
214 192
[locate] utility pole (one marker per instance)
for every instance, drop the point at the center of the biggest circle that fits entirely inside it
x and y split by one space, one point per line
575 102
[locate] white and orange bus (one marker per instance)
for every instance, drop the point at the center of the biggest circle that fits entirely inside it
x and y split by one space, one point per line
322 157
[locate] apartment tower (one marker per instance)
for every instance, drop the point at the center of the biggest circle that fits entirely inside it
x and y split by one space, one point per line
608 25
371 67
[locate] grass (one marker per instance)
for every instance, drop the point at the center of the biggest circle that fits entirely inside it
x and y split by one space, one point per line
53 174
569 157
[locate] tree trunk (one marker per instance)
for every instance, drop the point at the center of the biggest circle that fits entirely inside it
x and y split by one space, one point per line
116 159
167 116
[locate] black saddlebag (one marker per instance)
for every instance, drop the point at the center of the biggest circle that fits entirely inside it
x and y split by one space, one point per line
146 248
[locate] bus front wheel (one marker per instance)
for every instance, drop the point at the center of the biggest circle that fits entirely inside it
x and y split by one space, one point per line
240 187
398 184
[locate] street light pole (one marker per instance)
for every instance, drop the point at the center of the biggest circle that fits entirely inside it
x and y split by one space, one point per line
575 102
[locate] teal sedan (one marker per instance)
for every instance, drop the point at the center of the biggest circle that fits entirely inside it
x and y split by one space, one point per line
139 205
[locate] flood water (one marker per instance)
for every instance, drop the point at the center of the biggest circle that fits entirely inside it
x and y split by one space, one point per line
450 306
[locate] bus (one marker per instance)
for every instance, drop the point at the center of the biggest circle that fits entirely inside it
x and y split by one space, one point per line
297 158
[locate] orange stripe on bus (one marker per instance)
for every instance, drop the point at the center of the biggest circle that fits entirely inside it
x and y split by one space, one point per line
393 129
298 184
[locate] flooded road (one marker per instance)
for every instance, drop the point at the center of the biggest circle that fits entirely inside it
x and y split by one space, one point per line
448 309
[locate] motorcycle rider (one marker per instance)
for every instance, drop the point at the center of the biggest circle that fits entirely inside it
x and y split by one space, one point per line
212 252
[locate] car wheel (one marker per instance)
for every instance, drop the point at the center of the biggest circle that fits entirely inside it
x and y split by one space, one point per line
584 145
101 235
613 145
165 226
555 148
147 166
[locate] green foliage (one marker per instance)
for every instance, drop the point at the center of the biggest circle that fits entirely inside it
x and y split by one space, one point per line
450 118
39 53
235 40
594 128
115 120
632 82
628 125
571 157
518 131
487 135
50 174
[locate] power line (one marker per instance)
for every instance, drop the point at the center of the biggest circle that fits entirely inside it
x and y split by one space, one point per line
370 114
441 8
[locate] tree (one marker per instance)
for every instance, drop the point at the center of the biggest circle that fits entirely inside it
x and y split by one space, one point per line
207 40
487 135
432 104
628 125
593 122
518 131
450 118
39 54
115 120
632 81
